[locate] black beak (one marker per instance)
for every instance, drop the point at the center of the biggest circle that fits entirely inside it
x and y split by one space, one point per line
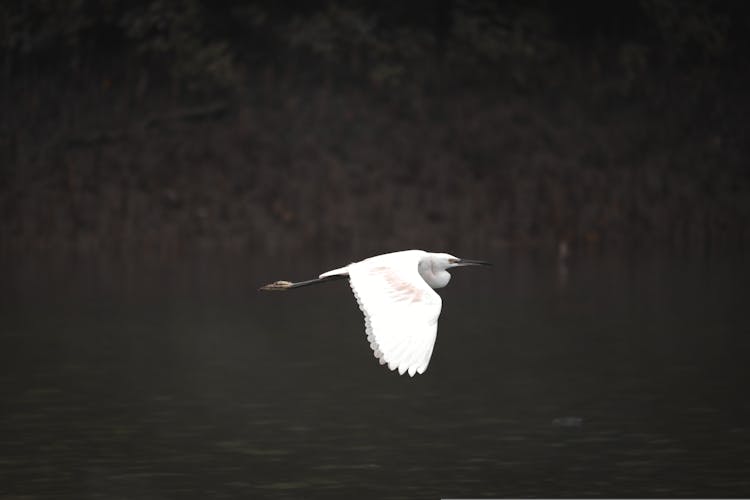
472 262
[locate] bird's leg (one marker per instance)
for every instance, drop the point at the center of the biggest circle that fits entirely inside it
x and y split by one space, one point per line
280 286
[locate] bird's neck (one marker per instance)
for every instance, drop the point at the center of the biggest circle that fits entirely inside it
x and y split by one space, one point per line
436 278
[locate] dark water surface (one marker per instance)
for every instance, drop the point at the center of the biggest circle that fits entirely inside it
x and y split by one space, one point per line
629 379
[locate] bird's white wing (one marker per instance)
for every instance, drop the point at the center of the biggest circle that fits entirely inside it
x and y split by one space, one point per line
401 313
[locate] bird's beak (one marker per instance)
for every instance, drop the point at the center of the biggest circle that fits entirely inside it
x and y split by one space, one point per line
471 262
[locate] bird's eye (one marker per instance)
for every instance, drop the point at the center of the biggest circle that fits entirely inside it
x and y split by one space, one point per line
452 261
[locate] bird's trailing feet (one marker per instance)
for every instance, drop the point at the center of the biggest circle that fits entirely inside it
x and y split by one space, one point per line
277 286
280 286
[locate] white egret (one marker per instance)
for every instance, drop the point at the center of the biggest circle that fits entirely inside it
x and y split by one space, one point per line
395 293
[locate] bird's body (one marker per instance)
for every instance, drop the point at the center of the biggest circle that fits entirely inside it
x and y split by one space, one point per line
401 309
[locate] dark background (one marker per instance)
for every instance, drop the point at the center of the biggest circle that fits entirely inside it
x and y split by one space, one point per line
166 127
161 160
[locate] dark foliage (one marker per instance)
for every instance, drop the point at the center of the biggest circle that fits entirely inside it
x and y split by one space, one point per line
264 125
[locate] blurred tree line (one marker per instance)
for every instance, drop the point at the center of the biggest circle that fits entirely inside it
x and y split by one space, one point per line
204 45
580 120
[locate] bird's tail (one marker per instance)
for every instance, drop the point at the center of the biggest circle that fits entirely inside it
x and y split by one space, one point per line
341 271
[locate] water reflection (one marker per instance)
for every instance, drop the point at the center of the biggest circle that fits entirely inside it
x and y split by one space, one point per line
629 381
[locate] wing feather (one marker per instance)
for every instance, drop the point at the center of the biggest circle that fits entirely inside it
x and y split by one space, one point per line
401 312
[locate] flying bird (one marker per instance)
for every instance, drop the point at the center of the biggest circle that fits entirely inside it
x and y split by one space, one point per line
395 293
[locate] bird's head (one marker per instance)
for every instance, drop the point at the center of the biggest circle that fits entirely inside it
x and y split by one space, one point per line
434 268
446 261
457 262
